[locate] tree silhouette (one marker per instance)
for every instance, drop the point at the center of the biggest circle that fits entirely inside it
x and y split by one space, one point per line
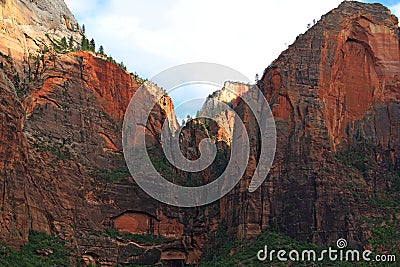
101 50
63 42
92 45
84 43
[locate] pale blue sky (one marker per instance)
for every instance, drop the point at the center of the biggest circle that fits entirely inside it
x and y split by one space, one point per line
152 35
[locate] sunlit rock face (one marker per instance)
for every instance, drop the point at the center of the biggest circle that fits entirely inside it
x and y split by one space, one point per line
335 95
27 27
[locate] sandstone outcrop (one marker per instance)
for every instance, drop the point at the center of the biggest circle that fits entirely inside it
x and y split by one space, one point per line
28 27
335 95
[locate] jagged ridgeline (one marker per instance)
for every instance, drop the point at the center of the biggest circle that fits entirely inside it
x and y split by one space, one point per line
68 199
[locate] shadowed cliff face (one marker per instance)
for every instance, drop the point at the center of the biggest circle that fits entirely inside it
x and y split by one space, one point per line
335 95
63 171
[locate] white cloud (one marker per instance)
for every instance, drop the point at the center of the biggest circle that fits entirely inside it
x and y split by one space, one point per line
396 10
245 35
150 36
81 8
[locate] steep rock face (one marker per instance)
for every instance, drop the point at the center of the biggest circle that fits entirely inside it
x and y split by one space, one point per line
64 136
229 96
26 27
14 225
335 98
335 95
63 171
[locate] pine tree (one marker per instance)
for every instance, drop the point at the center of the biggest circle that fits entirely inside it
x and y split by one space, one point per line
63 42
122 65
101 50
83 28
92 45
71 42
84 43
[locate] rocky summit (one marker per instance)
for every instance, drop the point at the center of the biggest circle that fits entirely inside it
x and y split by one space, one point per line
66 192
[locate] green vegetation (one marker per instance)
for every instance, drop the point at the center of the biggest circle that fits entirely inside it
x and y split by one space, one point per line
58 150
71 43
385 237
60 46
246 253
87 45
137 78
161 163
101 50
385 200
63 42
203 124
92 45
17 85
64 46
225 251
51 249
354 159
222 243
113 175
84 44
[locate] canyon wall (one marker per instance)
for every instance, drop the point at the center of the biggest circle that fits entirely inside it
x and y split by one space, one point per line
335 95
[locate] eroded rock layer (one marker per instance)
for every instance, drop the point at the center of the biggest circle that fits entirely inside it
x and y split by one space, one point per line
335 95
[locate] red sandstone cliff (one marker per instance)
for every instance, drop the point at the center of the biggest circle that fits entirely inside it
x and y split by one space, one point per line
335 96
62 169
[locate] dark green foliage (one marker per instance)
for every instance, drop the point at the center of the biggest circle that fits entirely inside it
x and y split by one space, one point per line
60 46
71 43
45 49
138 78
63 43
101 50
84 43
245 254
222 243
17 85
385 237
114 175
57 150
161 163
92 45
111 59
359 161
28 257
122 66
87 45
